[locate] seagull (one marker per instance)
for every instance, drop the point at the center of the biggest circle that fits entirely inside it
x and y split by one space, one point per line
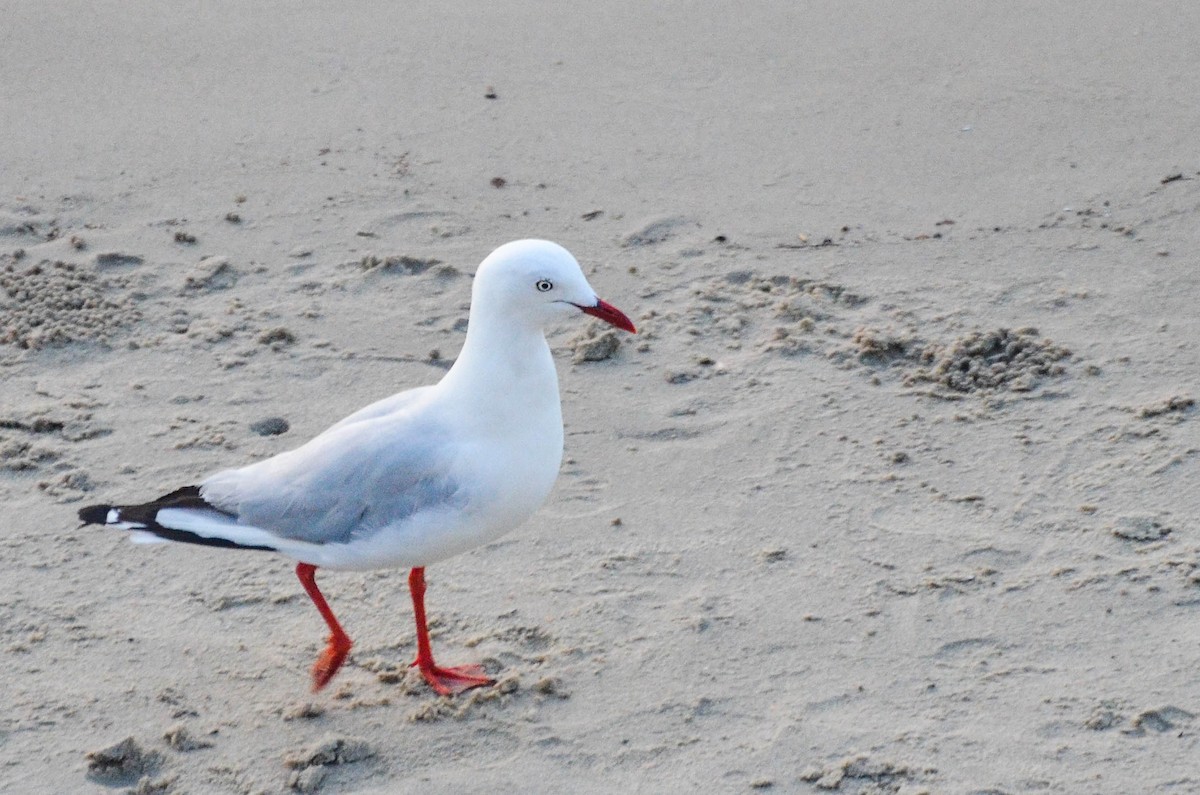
416 477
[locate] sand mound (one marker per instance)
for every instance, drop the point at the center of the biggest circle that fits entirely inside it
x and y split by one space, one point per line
54 303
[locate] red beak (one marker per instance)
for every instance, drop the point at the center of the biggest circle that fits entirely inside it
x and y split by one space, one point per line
610 314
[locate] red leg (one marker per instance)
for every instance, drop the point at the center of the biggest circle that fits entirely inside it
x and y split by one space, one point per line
338 645
446 681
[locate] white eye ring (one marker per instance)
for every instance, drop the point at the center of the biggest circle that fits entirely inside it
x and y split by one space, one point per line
544 285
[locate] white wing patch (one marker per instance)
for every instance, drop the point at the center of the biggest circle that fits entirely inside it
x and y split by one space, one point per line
214 524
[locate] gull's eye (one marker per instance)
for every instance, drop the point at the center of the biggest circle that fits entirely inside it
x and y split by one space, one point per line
544 285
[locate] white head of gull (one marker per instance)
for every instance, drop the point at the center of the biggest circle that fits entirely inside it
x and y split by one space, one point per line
414 478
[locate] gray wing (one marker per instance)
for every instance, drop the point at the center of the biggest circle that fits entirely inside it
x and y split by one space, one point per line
343 485
381 408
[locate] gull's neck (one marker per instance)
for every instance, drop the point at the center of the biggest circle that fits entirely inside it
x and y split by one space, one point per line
504 374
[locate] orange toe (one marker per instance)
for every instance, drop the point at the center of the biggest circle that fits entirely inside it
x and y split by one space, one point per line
452 681
331 659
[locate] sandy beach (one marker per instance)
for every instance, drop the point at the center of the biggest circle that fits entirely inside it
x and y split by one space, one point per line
893 493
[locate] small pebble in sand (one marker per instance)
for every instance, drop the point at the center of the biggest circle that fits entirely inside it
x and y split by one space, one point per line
499 182
233 218
277 337
112 259
595 347
120 763
270 426
304 711
185 237
550 686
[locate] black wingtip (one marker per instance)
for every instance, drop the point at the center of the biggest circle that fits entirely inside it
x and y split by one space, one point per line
144 517
94 514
